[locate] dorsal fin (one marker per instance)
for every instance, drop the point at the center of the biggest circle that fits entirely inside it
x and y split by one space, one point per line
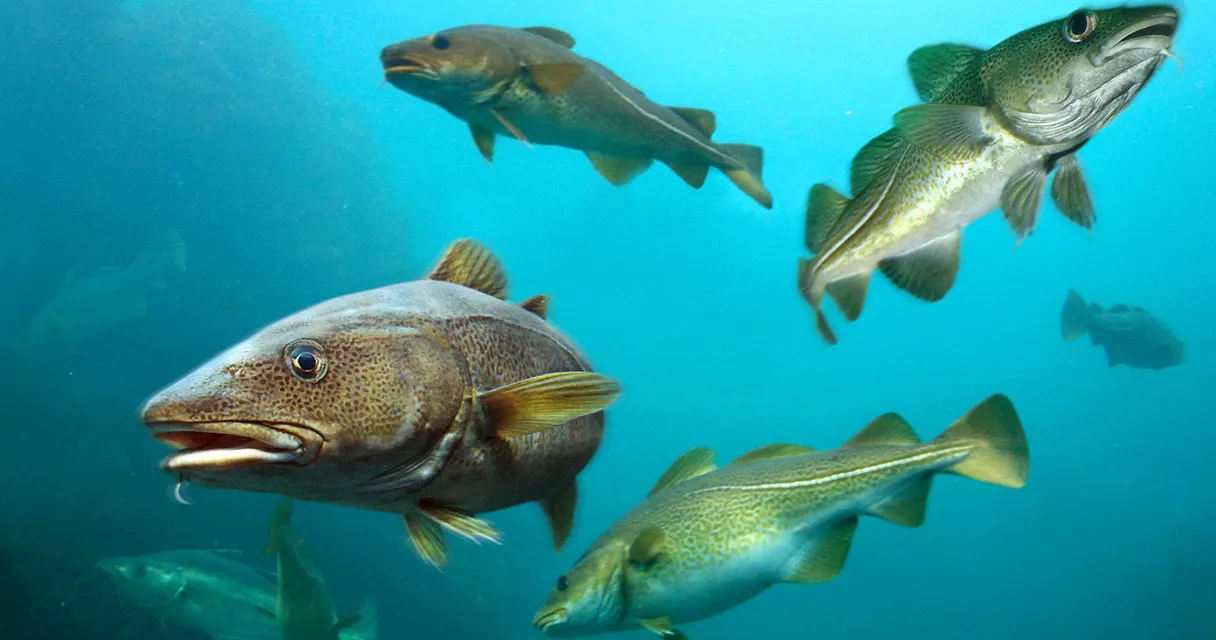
556 35
701 120
874 160
537 304
934 67
773 451
887 429
824 206
469 263
693 463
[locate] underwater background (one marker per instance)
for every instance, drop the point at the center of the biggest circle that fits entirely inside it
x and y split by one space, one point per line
228 162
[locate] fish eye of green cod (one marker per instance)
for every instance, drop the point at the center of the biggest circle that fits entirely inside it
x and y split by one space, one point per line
306 359
440 41
563 583
1080 26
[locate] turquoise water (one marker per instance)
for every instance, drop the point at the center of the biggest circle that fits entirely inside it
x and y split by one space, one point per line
261 133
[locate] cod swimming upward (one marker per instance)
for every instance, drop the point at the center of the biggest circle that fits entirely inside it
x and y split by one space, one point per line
709 539
435 399
528 84
995 124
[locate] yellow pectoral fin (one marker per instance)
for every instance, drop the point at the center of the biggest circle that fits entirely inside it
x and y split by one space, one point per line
646 548
547 401
555 77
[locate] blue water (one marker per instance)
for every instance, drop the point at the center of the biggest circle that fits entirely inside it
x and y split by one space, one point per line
261 132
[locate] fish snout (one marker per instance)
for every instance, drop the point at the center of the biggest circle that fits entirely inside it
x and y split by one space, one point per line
547 621
400 59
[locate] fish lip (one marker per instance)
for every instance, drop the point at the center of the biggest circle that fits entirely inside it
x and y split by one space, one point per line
1156 33
251 443
546 621
406 66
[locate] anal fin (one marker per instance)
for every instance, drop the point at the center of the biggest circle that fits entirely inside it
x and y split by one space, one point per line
619 170
850 294
929 271
559 511
906 508
823 557
693 175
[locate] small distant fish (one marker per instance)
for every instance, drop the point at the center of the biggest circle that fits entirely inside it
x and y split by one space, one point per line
708 539
303 606
994 125
1130 335
210 592
528 84
435 399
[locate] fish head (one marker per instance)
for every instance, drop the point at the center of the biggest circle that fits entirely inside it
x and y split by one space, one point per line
464 66
143 581
590 598
320 401
1063 81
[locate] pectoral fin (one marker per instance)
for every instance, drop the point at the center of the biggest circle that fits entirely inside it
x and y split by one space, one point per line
773 452
556 35
695 462
954 132
646 548
850 294
662 626
537 304
484 138
470 264
824 557
1071 195
460 523
928 272
1021 200
619 170
427 538
554 78
934 67
559 511
546 401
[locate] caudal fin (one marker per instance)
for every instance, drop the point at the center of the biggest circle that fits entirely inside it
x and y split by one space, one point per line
747 176
1002 456
1074 317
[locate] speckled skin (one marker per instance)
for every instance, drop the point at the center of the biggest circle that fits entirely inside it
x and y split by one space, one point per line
402 360
733 532
599 112
1046 96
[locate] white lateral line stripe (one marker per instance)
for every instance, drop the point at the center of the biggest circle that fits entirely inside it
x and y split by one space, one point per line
868 214
666 125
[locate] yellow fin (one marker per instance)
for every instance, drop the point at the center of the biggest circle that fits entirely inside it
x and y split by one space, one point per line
929 271
484 138
824 208
555 77
823 558
907 507
556 35
461 523
619 170
559 511
469 263
700 119
773 452
1001 455
280 520
692 174
537 304
747 176
887 429
850 294
427 539
695 462
877 158
662 626
646 548
547 401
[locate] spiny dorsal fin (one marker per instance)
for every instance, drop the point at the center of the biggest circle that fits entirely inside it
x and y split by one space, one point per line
906 508
559 511
700 119
824 208
950 131
537 304
850 294
547 401
1070 194
556 35
887 429
693 463
469 263
619 170
692 174
484 139
554 78
646 548
934 67
824 557
928 272
876 159
773 452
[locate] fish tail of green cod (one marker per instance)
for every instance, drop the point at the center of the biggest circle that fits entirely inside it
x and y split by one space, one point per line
1000 455
1074 317
747 175
280 522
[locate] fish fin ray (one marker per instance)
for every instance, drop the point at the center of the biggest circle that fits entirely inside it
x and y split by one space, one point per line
546 401
824 557
701 119
928 272
824 208
876 158
887 429
1021 200
618 170
934 67
773 452
906 508
692 174
694 462
1001 455
427 538
469 263
556 35
461 523
484 139
538 305
1071 195
748 175
951 131
554 78
559 512
850 294
662 627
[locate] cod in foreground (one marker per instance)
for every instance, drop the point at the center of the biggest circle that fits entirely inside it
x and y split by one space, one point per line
994 125
1129 335
708 539
435 399
528 84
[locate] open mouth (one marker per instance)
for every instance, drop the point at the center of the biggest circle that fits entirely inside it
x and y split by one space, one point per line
545 621
1154 33
228 445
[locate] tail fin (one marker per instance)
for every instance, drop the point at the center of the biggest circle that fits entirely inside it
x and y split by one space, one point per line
1002 456
1074 318
280 522
747 177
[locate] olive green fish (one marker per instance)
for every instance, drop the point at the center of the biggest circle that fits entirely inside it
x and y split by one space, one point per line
709 539
528 84
435 399
995 124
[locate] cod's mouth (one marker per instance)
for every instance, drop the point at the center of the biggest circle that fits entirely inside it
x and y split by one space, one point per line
406 66
228 446
546 620
1155 33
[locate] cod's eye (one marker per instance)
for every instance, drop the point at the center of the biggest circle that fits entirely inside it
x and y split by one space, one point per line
307 360
1080 26
563 583
440 41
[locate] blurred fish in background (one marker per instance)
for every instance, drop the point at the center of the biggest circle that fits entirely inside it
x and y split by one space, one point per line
1131 336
